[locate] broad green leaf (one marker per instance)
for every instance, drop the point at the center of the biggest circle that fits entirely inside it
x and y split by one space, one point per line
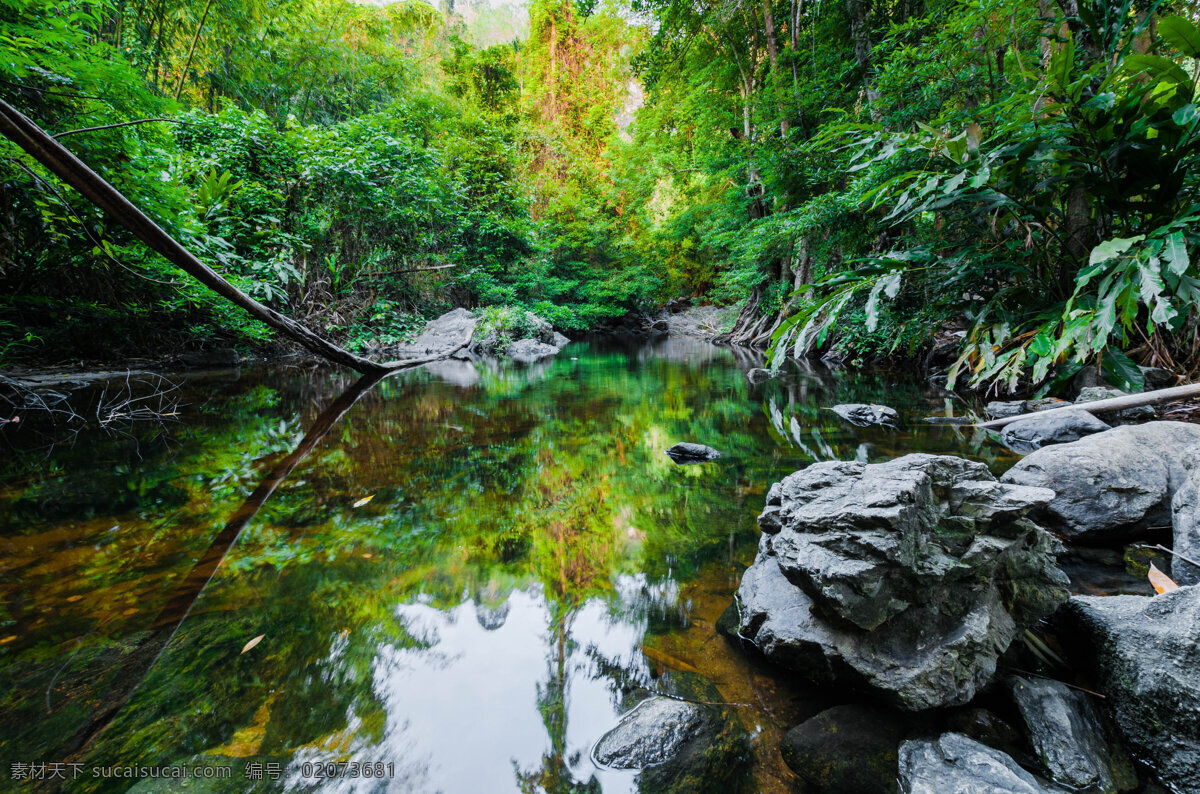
1182 34
1176 254
1120 370
1111 249
1186 115
1157 68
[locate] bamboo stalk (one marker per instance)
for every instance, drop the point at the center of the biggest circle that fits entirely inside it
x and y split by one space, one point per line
1111 404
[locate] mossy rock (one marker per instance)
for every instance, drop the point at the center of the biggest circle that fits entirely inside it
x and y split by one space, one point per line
850 748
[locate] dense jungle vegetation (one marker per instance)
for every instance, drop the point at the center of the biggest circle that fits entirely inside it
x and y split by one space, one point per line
1018 177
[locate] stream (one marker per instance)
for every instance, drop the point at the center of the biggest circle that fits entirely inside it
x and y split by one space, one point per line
454 579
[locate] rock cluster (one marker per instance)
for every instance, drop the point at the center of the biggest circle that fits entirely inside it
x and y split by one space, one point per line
907 578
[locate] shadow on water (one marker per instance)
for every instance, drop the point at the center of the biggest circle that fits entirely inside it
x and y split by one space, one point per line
460 574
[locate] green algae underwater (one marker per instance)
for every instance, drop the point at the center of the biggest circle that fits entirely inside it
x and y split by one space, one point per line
457 578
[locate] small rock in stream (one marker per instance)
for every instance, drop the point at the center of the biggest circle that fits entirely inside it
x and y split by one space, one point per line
650 734
528 351
685 453
865 415
681 739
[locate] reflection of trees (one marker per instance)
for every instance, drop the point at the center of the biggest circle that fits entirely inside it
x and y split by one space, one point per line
574 547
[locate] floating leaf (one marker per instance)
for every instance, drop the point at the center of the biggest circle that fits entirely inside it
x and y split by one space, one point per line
364 500
1162 583
253 642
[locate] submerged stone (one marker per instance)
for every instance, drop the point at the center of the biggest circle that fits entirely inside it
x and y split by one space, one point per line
685 453
864 415
846 748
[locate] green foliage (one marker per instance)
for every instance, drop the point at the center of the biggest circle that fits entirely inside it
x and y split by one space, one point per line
1063 235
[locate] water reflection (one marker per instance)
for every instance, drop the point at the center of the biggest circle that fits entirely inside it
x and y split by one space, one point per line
528 558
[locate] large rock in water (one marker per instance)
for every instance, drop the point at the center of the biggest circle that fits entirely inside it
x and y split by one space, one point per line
443 334
1144 652
528 351
1111 485
907 578
1185 522
957 764
1069 738
1058 427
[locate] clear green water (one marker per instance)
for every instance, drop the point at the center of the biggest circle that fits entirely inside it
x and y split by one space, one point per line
527 557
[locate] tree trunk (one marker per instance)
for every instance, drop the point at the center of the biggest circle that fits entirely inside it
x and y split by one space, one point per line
860 35
773 56
73 171
187 64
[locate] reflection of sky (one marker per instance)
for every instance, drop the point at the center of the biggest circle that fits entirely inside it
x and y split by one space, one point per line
462 712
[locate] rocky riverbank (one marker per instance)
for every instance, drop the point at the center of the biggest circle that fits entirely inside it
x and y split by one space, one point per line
929 586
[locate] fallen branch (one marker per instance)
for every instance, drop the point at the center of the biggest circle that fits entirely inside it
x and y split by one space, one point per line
1111 404
1161 547
70 169
113 126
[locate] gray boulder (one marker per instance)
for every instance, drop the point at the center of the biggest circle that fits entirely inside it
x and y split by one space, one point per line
653 732
559 341
1141 413
957 764
1111 485
510 327
1059 427
1144 654
907 578
680 740
864 415
528 351
685 453
1185 521
1003 410
443 334
1069 738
